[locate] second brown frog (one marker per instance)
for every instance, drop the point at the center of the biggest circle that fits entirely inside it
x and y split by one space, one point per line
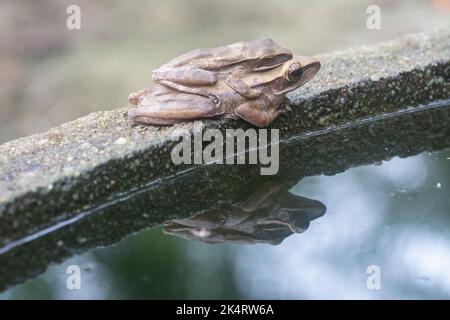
253 89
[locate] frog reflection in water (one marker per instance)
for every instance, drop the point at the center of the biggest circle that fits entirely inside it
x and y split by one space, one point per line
269 216
247 80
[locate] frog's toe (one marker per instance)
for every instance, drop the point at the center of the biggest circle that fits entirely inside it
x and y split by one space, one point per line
142 115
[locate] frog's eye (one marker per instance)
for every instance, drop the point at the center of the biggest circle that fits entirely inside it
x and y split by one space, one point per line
294 73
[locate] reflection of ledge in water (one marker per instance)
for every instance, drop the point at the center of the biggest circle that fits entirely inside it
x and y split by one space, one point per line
177 198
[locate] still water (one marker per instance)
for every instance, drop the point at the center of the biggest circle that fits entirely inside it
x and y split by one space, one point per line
392 217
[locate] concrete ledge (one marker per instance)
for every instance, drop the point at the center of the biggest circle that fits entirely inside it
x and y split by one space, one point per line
325 152
50 177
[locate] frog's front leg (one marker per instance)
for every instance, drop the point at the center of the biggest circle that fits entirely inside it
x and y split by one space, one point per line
252 112
234 80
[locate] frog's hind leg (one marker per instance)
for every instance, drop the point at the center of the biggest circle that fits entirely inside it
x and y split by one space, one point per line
174 108
189 76
192 90
187 79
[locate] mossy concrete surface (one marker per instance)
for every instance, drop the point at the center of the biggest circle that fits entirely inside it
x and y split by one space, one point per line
48 177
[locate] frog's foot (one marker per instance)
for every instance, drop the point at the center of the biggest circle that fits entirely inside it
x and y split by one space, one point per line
284 108
135 97
249 112
171 109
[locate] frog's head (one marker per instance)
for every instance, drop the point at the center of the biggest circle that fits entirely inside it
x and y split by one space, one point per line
288 76
292 213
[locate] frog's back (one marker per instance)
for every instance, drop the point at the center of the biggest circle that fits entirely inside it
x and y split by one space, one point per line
224 57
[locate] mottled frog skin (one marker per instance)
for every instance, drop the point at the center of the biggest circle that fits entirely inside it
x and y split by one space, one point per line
247 80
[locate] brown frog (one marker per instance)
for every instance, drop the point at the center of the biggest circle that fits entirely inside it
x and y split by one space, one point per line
253 90
269 216
194 71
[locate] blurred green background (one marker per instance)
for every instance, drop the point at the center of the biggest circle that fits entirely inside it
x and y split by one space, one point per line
50 74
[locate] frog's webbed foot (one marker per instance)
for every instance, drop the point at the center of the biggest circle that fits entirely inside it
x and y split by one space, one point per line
234 80
261 118
284 108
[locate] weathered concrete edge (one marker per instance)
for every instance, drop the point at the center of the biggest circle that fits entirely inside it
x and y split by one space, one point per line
47 177
329 152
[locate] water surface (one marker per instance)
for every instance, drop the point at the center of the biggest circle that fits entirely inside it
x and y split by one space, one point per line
394 215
